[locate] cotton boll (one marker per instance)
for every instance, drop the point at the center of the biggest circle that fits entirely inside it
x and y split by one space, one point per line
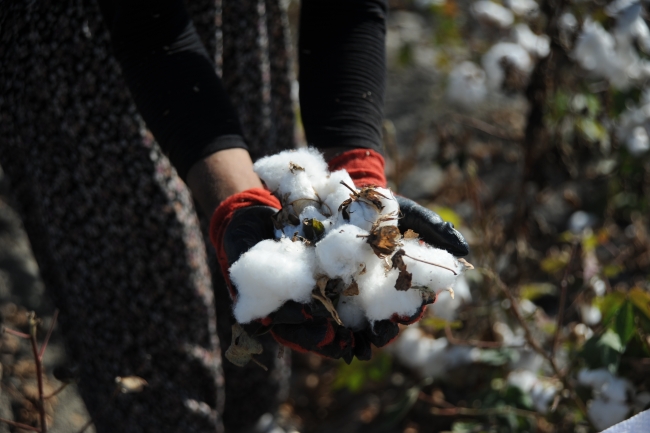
604 414
514 54
605 384
542 392
378 296
333 193
432 277
298 191
466 87
269 274
388 201
527 8
536 45
590 314
342 254
350 313
362 214
638 141
430 357
310 212
493 14
272 169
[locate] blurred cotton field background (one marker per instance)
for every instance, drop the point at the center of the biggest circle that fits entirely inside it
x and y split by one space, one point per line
526 124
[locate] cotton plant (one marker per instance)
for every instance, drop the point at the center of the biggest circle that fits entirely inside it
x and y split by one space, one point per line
492 14
612 395
633 126
504 55
467 85
328 231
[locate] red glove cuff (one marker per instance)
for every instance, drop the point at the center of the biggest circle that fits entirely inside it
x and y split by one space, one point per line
365 166
222 216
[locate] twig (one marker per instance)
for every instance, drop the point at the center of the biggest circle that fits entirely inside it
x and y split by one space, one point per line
451 410
39 371
431 263
49 334
563 286
61 388
486 128
533 343
476 343
16 333
20 425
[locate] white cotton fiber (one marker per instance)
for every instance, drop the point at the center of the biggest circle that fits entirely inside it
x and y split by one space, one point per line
445 307
272 169
432 277
350 312
492 14
333 193
297 186
362 215
269 274
536 45
514 54
378 296
466 87
342 254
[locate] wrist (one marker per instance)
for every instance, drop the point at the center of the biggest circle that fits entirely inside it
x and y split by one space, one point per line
221 175
365 166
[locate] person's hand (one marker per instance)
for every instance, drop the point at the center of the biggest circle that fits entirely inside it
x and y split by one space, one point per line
242 221
366 167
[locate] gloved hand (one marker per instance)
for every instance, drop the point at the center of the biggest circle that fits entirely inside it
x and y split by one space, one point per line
366 167
242 221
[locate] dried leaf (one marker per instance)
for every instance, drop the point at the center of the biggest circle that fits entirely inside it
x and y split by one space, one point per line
130 384
352 290
293 167
319 294
404 279
465 263
363 270
243 347
384 240
368 195
410 234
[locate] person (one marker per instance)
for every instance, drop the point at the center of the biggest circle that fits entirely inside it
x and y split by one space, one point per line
113 227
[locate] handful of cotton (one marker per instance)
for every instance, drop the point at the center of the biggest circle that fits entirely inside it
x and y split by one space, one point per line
338 245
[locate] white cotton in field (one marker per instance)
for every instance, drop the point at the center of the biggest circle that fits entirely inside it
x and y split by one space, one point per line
536 45
433 278
466 87
342 254
493 14
272 169
333 193
513 54
350 312
269 274
541 391
526 8
604 414
430 357
378 296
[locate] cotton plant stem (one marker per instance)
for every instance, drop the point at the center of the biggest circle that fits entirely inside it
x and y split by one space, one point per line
449 409
563 293
475 343
61 388
39 371
15 333
49 334
533 343
20 425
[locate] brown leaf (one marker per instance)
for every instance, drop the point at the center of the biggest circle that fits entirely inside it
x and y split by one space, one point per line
243 347
383 240
130 384
410 234
352 290
319 294
404 279
465 263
